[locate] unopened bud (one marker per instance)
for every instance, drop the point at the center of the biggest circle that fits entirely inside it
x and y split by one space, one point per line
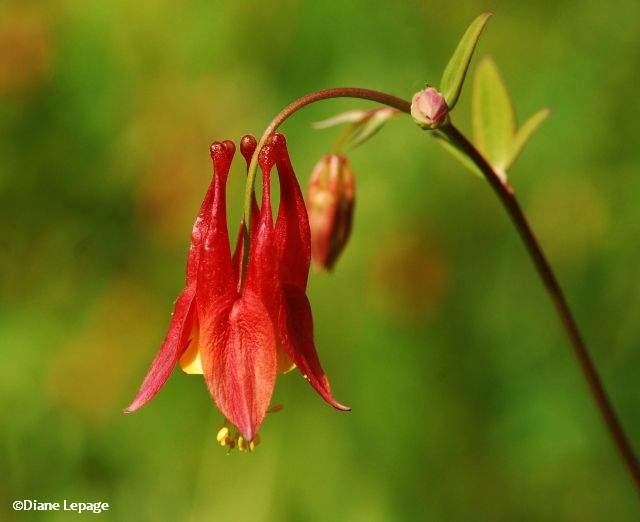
429 108
331 199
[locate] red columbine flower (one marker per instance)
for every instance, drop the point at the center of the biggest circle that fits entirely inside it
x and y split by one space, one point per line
331 200
240 327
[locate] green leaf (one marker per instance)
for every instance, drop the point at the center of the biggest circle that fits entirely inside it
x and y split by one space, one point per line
457 153
524 134
456 70
494 120
362 125
370 126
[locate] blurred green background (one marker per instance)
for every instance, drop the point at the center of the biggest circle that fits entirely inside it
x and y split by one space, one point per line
467 403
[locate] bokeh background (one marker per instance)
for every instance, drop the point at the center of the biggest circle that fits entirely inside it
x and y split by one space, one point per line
467 403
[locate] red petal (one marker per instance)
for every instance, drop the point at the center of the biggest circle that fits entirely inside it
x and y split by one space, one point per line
198 232
215 271
293 241
177 338
172 348
239 360
247 147
262 273
296 333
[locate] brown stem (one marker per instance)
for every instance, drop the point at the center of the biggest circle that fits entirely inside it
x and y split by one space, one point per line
506 196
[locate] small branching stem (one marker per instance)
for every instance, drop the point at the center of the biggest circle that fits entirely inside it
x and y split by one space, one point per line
507 198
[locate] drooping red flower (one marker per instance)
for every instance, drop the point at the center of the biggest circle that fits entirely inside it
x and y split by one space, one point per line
241 325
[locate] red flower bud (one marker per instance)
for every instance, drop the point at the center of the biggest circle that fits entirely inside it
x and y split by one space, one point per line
331 199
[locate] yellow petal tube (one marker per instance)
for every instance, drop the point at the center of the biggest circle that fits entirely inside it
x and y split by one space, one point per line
190 361
285 364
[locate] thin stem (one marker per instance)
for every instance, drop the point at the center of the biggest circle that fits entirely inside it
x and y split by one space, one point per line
338 92
506 196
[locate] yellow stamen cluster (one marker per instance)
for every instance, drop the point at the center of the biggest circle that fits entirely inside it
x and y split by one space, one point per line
231 439
229 436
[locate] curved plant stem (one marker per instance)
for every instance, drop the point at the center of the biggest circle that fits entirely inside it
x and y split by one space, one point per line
511 205
507 198
338 92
